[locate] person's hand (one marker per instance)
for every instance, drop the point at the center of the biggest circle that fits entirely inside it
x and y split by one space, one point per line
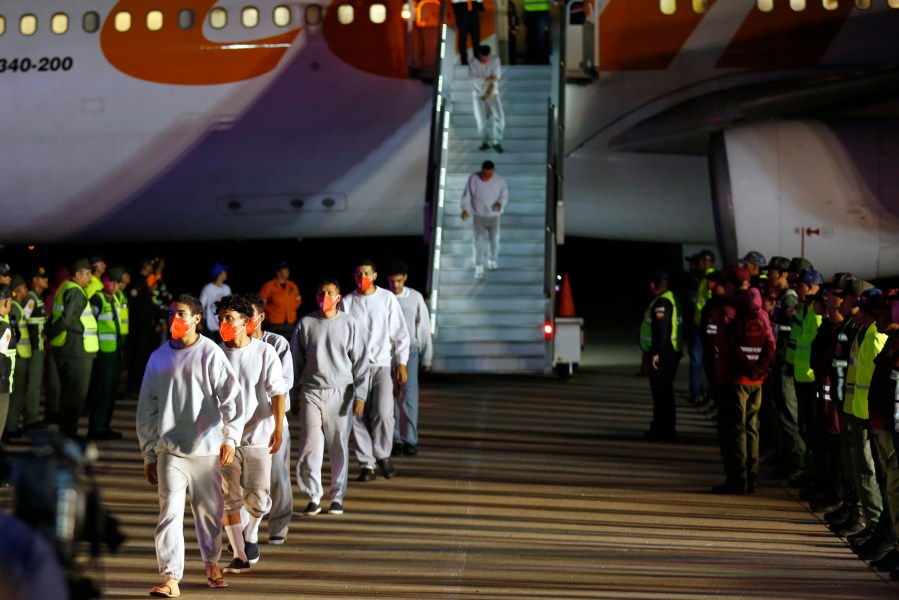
488 96
497 207
426 368
226 455
402 375
274 442
655 362
464 214
150 473
358 407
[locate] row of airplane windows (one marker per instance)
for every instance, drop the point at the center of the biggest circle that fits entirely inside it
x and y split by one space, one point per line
377 13
669 7
218 18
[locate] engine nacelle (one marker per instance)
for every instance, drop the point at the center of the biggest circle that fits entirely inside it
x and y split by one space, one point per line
825 190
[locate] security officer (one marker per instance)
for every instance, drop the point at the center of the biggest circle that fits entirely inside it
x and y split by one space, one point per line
98 268
805 325
753 262
73 335
660 338
36 318
123 315
23 358
7 350
537 22
108 364
701 266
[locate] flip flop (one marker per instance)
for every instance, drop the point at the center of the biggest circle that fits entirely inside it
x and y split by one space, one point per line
163 591
218 582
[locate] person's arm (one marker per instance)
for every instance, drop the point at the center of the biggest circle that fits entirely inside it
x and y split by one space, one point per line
423 334
231 407
399 338
275 389
357 350
147 425
661 328
466 198
503 197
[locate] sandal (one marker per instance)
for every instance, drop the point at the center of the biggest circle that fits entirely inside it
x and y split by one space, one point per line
163 591
218 582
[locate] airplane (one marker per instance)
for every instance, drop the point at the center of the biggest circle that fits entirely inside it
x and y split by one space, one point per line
764 125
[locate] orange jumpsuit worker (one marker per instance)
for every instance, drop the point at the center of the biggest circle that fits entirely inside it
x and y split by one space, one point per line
282 299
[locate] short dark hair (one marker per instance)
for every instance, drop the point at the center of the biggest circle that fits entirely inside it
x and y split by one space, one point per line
236 302
660 277
487 165
484 50
257 301
5 292
329 281
398 267
367 262
195 306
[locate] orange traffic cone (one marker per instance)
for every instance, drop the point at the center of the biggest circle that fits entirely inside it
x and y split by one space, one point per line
565 305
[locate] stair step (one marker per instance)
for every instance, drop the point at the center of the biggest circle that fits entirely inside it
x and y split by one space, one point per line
477 364
507 249
465 262
520 108
489 287
528 199
508 233
507 304
461 119
525 132
530 179
541 72
460 145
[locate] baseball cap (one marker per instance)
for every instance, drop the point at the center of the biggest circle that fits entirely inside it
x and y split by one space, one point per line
811 277
217 269
704 253
4 269
798 264
37 272
80 263
114 274
871 299
853 288
17 280
781 263
96 258
753 258
282 265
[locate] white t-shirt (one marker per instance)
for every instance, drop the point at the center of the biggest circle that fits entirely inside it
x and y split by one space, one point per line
415 310
208 297
258 370
190 402
381 320
331 353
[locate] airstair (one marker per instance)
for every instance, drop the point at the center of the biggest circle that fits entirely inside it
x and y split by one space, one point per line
495 324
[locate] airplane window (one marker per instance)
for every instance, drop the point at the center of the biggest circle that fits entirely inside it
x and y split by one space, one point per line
218 18
377 13
345 14
313 15
122 21
893 3
186 19
797 5
91 22
249 17
27 24
281 16
668 7
863 4
830 4
2 25
700 6
59 23
154 20
765 5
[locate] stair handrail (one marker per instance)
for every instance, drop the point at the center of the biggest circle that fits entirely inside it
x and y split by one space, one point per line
435 188
555 160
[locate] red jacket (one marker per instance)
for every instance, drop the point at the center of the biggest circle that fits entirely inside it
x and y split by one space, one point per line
281 301
751 343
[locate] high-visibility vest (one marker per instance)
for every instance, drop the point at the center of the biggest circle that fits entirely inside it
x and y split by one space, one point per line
23 346
803 372
895 377
535 5
795 330
106 325
861 370
10 351
93 287
91 343
703 295
646 327
121 309
37 318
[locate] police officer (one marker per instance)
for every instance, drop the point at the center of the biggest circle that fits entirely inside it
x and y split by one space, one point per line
108 363
36 318
701 266
73 335
660 338
23 358
7 350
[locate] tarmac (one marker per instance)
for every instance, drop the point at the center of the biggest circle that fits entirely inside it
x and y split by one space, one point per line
524 487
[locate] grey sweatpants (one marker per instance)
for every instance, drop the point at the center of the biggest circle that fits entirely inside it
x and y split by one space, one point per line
202 478
325 421
281 490
373 429
486 232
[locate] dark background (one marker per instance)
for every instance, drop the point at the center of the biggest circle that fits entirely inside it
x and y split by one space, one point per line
608 278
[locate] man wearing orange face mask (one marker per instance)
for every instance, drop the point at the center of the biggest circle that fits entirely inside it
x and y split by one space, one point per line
247 481
378 314
485 196
332 359
189 421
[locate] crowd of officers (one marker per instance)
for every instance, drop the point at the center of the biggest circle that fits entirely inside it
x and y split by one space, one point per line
804 367
211 414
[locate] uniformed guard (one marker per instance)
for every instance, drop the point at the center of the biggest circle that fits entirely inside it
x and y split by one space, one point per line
73 335
98 268
17 321
108 364
660 337
36 318
805 325
701 266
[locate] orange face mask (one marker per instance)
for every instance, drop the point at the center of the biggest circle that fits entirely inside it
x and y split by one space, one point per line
179 327
327 303
228 331
363 283
253 325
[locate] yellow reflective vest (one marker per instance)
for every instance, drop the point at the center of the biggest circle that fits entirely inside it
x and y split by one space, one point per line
107 330
23 346
37 318
646 327
8 350
861 370
802 358
121 309
91 343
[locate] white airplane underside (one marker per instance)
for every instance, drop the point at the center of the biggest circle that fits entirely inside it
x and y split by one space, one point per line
752 134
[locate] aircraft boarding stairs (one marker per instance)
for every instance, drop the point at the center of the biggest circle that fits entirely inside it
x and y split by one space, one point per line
495 324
